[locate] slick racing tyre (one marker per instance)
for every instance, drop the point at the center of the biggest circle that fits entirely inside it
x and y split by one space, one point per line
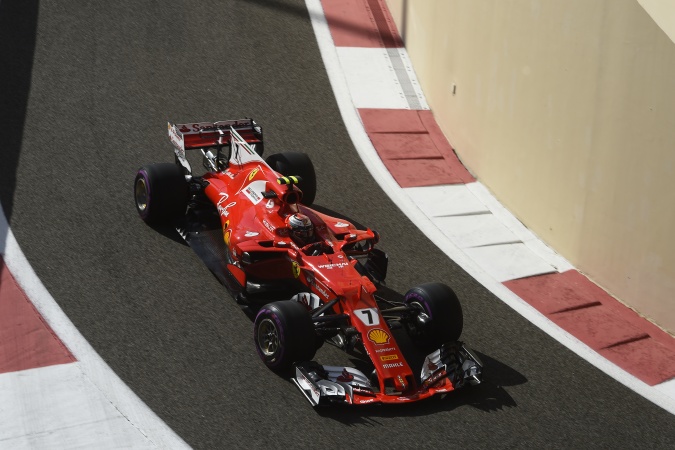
283 333
294 163
442 306
160 193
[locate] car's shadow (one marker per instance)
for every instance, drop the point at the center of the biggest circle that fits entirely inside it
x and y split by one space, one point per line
169 232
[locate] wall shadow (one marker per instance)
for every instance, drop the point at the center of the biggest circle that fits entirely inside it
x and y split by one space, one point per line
18 24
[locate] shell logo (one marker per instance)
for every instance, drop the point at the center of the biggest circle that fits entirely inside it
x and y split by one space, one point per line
378 336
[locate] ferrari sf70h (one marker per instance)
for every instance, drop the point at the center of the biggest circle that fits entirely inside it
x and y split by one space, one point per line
311 277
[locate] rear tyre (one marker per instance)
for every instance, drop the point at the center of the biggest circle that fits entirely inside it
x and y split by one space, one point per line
160 193
440 303
295 163
283 333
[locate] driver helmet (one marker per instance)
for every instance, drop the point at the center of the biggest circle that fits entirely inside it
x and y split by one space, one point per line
301 227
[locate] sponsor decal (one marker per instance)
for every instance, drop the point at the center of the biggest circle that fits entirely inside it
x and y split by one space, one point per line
378 336
404 385
251 233
270 204
252 195
368 400
268 225
176 140
229 174
388 349
320 288
196 127
388 357
309 276
392 365
321 291
341 224
296 269
332 265
205 126
222 207
252 191
253 173
201 127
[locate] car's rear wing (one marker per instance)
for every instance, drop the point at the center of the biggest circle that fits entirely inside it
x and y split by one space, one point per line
188 136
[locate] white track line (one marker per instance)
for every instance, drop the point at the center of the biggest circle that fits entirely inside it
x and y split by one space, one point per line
379 172
125 421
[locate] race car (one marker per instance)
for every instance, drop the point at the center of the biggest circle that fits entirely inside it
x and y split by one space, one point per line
311 277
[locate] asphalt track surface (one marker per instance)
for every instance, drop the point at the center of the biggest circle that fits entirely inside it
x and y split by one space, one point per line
87 90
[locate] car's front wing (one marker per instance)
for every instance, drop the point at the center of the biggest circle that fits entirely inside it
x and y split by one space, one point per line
451 367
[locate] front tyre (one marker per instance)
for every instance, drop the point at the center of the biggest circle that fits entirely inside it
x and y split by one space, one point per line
443 310
160 193
283 333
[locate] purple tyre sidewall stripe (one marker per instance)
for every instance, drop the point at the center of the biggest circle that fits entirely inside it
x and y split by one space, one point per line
144 174
413 296
278 357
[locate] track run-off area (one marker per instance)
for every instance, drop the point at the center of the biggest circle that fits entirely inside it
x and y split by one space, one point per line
92 87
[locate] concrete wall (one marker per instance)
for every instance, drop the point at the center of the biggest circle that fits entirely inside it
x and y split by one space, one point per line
565 109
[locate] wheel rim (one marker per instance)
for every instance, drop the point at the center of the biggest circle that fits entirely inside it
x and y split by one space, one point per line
413 330
141 194
268 337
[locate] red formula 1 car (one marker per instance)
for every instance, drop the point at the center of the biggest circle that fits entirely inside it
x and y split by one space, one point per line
313 278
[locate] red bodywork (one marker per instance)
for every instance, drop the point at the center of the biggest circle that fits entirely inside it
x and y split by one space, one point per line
257 239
